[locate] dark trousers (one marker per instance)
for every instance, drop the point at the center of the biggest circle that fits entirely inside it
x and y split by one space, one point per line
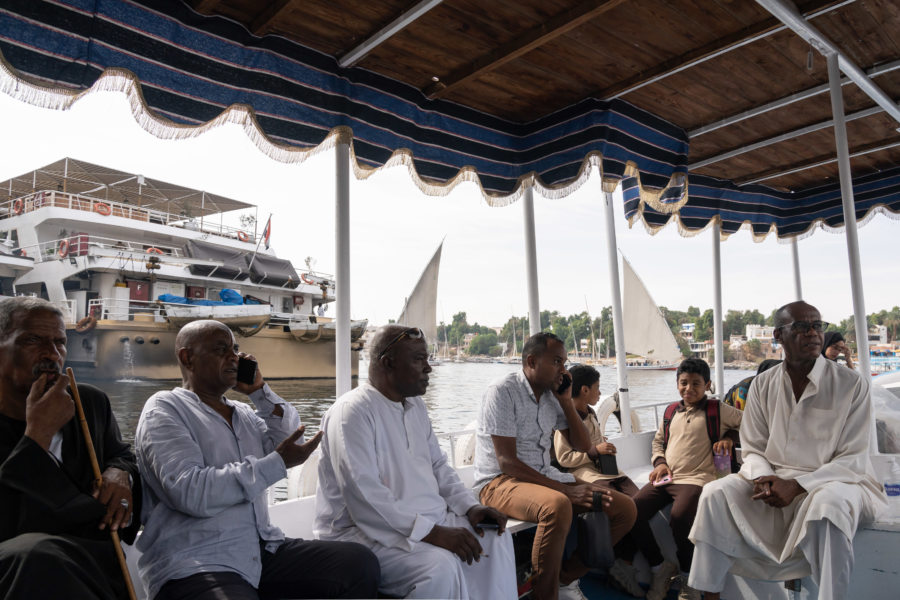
650 500
298 569
37 565
622 514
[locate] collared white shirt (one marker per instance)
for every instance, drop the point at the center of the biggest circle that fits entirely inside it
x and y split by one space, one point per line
205 506
382 476
509 409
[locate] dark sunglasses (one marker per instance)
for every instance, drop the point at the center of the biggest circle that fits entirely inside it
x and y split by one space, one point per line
413 333
804 326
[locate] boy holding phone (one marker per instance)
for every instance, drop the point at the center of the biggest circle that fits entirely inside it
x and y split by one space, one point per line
598 465
682 464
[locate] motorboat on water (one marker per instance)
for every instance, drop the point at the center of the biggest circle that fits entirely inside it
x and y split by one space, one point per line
130 260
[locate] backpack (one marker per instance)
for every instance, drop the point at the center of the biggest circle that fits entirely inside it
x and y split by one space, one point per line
712 427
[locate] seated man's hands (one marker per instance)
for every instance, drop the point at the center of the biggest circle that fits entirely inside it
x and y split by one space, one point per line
480 512
295 454
582 494
47 409
606 448
775 491
661 471
458 540
723 447
115 493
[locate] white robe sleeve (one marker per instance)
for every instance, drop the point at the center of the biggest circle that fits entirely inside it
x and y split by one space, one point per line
458 497
374 508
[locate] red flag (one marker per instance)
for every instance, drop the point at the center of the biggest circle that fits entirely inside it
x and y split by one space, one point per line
267 232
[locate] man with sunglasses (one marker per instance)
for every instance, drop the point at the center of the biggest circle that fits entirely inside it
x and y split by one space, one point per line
806 482
384 482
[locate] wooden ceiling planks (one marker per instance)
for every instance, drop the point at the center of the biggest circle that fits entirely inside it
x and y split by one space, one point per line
620 48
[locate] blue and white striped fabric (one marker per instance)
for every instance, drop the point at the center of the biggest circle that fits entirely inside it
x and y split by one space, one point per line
192 67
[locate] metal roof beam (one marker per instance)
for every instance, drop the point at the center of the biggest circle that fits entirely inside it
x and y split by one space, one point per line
821 162
782 102
787 13
262 22
748 35
783 137
534 38
379 37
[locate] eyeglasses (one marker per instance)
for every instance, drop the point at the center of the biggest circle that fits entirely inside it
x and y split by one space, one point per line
413 333
804 326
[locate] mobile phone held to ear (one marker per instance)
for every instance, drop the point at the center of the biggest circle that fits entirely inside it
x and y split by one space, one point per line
246 372
566 382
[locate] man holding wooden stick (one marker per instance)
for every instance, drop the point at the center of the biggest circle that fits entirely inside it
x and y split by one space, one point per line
54 519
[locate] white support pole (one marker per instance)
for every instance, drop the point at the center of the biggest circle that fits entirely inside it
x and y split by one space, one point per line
843 153
795 261
534 306
612 258
717 309
342 370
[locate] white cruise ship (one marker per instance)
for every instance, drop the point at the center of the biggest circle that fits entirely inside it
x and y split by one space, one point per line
131 259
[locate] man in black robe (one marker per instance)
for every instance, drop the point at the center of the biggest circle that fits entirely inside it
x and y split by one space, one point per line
54 522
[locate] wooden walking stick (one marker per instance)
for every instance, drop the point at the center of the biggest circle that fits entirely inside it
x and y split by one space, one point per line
98 478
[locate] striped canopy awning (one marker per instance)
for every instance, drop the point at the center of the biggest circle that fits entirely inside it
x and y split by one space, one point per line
187 71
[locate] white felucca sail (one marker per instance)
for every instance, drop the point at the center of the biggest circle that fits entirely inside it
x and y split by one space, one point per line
421 306
646 332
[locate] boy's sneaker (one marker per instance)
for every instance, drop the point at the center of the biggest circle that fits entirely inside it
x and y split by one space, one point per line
661 581
687 592
571 592
623 576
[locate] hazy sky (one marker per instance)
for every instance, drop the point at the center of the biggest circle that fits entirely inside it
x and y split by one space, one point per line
395 228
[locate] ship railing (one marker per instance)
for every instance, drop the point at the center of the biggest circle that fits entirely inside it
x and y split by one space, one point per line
68 309
104 208
125 309
82 244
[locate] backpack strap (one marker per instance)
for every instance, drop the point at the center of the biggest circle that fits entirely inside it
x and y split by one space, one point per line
712 420
667 420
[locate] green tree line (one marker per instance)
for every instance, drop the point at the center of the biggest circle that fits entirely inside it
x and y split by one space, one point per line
574 328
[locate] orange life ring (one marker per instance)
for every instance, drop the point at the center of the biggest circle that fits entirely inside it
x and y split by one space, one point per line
18 206
154 250
305 280
243 236
102 208
63 250
86 324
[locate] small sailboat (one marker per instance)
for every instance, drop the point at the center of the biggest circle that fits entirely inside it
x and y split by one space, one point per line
420 309
650 343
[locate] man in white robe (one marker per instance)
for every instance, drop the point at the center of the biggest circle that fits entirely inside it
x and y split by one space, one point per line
385 483
806 482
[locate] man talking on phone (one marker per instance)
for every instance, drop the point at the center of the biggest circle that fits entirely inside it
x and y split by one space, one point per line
207 462
518 416
385 482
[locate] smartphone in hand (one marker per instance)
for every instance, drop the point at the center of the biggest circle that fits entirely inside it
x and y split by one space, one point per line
489 523
246 372
663 481
566 382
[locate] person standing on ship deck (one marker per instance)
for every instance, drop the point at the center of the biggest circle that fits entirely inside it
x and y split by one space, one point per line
807 480
513 471
385 482
54 523
207 462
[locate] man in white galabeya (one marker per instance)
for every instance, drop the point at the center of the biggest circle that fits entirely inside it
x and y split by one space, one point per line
806 482
385 483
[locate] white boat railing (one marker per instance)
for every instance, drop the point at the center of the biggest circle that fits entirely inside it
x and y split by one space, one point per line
104 208
68 309
124 309
82 244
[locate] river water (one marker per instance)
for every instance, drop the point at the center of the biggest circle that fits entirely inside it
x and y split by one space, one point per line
453 395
